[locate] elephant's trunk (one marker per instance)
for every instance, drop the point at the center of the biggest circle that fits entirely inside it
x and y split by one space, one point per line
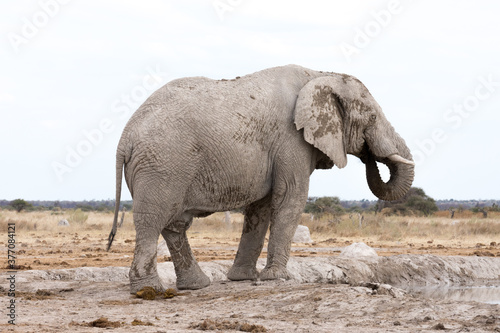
400 182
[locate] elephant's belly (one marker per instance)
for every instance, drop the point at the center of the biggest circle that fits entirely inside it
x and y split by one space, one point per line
220 189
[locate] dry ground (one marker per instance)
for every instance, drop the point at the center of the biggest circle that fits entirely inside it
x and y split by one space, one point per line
229 306
41 244
246 306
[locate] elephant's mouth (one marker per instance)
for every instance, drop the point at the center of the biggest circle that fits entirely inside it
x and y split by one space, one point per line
401 170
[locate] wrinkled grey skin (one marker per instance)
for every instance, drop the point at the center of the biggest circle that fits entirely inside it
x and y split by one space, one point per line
199 146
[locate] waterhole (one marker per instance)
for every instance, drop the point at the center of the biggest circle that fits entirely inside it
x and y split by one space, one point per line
484 294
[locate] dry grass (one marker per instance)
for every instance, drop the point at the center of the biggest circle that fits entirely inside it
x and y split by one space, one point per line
47 222
214 226
399 228
42 244
374 227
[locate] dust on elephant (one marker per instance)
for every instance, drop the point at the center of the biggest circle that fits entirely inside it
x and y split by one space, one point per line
198 146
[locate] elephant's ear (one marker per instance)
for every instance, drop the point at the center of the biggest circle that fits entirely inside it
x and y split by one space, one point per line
319 112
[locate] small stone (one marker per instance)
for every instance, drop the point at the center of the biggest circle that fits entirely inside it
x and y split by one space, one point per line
63 223
162 249
358 250
302 235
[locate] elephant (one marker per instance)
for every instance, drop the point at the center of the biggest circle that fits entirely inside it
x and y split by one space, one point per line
198 146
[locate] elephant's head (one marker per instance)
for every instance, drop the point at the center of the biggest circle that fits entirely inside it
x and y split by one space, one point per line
339 116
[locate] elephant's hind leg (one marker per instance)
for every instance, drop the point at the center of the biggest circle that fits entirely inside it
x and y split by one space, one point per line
188 272
143 272
257 218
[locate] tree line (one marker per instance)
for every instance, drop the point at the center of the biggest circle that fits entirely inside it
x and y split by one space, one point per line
415 202
86 206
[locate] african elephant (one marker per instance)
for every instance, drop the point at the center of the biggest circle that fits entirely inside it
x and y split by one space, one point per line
198 146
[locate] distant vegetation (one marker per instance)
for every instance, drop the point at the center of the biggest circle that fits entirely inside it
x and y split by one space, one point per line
20 204
415 203
318 206
84 206
78 216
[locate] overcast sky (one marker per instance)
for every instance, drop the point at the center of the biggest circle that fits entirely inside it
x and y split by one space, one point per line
72 73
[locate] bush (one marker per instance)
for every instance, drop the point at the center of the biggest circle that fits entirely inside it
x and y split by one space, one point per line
78 216
56 211
415 202
20 204
494 208
318 206
424 204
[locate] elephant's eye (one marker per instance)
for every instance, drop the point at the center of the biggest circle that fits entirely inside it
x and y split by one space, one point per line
373 117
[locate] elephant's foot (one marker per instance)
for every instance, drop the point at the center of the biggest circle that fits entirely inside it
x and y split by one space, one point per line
239 273
193 278
136 284
274 273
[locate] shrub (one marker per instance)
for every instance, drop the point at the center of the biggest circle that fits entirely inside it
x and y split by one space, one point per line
19 204
56 211
415 202
319 206
78 216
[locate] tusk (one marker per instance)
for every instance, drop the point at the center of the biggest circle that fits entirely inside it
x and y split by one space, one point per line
397 158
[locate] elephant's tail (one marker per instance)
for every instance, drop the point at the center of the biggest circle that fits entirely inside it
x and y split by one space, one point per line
120 159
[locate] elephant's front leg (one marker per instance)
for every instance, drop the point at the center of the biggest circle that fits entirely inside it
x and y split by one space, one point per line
257 218
288 204
143 272
188 272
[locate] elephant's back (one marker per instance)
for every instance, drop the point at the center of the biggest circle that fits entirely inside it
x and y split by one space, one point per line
194 98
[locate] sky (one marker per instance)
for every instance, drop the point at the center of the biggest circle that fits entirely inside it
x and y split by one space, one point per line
72 72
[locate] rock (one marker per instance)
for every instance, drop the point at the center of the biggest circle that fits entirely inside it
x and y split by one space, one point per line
227 220
358 250
162 249
63 222
302 235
